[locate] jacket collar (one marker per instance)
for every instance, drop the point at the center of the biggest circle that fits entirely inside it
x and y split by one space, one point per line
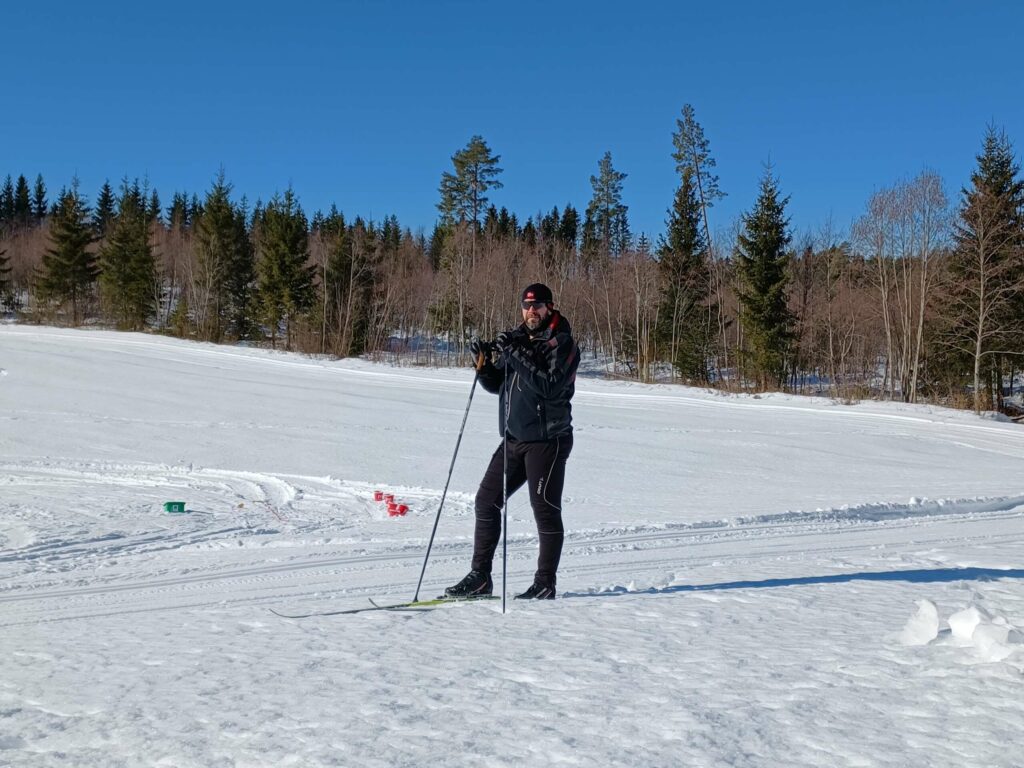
546 331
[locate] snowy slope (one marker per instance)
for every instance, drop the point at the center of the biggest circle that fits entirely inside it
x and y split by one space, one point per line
746 581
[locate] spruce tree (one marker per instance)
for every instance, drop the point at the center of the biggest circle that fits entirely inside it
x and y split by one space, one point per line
195 208
569 228
684 326
986 299
354 252
6 286
103 214
128 277
153 212
762 263
333 235
590 245
549 225
391 234
7 203
39 206
285 279
226 265
68 270
529 234
606 212
436 245
241 282
22 203
491 221
177 212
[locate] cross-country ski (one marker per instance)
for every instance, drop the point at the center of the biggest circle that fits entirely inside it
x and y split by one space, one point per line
412 605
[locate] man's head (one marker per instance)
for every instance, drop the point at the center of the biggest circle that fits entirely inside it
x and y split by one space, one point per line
537 303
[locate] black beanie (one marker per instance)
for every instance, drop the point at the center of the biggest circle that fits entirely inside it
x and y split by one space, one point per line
538 292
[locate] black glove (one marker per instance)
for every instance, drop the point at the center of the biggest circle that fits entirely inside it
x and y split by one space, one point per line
506 341
479 347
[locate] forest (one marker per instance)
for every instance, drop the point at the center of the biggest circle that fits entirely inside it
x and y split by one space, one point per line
922 300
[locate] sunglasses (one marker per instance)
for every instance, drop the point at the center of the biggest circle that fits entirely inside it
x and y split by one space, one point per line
534 304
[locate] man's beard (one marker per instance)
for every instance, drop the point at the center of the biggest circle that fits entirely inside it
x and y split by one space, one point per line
533 322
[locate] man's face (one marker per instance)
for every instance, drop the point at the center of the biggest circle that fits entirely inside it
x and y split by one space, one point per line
535 314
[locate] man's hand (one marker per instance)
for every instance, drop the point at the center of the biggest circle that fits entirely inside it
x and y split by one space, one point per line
479 347
481 351
506 341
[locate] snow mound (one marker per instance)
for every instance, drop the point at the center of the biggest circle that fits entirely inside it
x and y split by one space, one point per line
923 626
990 638
963 623
992 641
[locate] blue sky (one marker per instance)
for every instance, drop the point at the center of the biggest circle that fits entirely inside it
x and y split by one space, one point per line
363 103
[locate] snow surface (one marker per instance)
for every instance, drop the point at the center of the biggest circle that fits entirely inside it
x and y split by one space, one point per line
746 581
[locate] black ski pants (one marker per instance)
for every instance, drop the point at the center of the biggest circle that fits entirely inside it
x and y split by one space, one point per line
542 465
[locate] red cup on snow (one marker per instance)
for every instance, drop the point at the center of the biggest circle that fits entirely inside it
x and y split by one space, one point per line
402 509
378 495
392 509
389 497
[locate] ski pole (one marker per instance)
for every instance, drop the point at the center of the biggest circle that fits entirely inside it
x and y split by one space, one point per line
504 500
445 492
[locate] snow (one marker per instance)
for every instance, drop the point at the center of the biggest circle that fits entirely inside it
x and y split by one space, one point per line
923 626
747 581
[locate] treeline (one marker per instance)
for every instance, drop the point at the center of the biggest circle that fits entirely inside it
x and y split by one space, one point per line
923 299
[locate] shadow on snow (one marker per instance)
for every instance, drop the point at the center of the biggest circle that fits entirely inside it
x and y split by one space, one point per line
915 576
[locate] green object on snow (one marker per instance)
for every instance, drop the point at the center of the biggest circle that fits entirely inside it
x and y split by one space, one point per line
174 506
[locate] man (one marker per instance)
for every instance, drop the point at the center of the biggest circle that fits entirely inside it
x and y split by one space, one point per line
534 377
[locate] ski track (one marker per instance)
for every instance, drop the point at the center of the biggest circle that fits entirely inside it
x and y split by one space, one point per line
294 520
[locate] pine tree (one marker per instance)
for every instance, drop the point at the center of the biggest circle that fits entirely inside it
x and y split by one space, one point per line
607 213
128 277
762 261
22 203
103 214
692 151
68 270
285 280
39 206
684 317
464 192
463 201
985 306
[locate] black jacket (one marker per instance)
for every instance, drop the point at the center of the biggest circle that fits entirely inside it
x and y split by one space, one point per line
538 379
